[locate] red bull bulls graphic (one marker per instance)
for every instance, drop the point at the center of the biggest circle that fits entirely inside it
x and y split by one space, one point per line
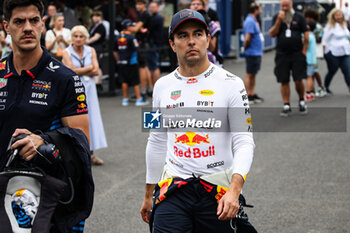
191 139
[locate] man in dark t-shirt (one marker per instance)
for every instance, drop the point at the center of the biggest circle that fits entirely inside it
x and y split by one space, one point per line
155 40
289 27
141 29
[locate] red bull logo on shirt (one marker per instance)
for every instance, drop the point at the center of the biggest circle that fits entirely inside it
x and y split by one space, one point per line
194 152
2 65
82 105
249 120
191 139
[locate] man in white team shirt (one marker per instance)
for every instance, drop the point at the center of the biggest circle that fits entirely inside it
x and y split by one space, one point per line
197 177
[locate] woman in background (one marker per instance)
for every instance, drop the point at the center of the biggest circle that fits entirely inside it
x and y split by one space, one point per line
58 38
82 60
336 47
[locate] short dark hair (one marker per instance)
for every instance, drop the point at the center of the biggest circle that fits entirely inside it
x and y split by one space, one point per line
97 13
9 5
253 7
312 25
141 1
312 13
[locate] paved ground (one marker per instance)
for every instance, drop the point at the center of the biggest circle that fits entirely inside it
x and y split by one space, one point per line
299 181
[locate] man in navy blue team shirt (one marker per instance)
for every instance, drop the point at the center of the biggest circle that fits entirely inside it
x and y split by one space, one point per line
37 92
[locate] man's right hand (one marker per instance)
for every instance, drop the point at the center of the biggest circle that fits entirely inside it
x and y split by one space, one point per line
281 16
147 202
29 144
146 209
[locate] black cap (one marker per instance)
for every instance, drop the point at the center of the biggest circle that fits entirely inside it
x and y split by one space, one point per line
184 15
126 23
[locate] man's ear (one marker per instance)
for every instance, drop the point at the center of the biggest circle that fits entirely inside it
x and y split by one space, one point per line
42 25
172 45
6 27
208 40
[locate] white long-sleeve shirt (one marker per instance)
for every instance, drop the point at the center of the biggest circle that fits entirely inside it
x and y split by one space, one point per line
217 94
336 40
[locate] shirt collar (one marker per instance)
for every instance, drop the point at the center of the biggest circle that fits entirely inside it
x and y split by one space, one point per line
31 73
193 79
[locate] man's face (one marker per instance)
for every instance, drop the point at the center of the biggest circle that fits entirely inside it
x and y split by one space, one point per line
286 5
51 10
25 27
190 42
140 6
196 5
153 8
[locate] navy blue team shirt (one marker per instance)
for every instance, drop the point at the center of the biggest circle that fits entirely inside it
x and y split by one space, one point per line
37 98
126 46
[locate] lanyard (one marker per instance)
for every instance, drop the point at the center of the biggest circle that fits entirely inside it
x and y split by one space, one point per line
81 61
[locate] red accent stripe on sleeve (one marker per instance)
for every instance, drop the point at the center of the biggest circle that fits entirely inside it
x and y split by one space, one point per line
8 75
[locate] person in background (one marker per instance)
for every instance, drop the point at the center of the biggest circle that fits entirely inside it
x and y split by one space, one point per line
58 38
213 52
289 27
336 46
51 11
346 12
125 54
97 32
82 59
212 14
97 40
3 42
312 15
83 14
155 40
140 29
68 13
253 51
311 61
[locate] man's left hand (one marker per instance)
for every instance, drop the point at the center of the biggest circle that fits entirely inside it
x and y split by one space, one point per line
228 206
29 144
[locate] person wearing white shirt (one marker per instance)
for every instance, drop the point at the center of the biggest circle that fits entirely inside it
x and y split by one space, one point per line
346 12
336 46
58 38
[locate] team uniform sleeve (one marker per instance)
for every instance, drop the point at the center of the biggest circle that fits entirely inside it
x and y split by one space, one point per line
156 149
241 127
74 100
